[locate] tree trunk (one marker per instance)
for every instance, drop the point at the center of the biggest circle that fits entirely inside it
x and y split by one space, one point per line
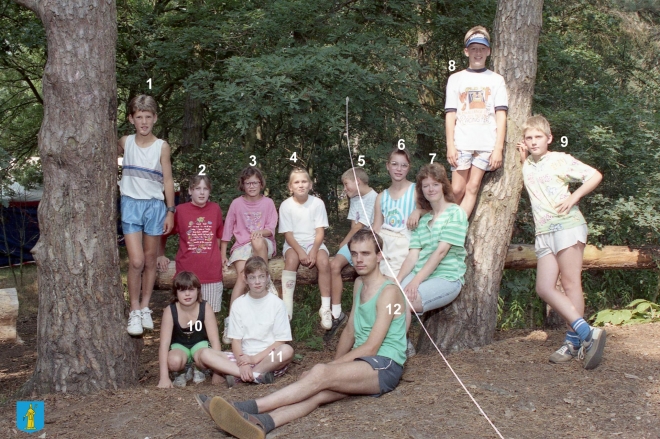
193 125
82 344
471 319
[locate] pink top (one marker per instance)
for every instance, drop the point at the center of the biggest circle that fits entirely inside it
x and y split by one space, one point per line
244 217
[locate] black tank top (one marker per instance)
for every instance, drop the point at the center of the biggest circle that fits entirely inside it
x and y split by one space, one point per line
184 336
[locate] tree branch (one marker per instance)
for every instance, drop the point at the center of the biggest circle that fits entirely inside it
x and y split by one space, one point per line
30 4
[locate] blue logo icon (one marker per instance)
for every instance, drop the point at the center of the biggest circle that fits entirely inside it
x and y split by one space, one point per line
30 416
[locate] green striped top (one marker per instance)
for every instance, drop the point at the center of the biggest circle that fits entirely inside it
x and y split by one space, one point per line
450 227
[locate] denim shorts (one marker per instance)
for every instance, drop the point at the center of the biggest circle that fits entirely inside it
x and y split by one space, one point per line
389 372
147 216
467 159
345 252
435 292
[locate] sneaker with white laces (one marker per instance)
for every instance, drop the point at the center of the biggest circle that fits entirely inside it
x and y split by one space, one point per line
180 381
135 323
326 318
198 376
225 339
592 350
147 323
564 354
188 371
337 325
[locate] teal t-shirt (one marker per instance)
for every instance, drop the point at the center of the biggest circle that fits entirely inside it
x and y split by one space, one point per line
450 227
394 343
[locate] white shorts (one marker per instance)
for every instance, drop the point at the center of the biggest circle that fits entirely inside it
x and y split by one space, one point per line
212 293
554 242
467 159
244 252
395 250
307 247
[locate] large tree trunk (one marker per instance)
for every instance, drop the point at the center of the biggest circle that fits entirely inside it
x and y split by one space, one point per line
470 321
82 344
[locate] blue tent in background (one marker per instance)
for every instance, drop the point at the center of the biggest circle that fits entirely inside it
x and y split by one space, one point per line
19 226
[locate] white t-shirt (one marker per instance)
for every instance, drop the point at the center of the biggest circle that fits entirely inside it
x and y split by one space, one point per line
302 219
142 173
475 96
258 322
355 211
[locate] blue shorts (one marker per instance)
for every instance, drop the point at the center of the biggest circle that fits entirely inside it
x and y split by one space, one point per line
345 252
147 216
389 372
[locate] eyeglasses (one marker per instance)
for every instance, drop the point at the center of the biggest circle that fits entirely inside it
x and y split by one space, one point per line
251 183
399 165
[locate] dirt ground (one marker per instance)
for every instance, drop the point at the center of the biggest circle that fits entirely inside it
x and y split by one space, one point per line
523 394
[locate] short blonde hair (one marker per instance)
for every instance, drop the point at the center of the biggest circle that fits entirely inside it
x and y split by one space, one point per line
476 30
142 103
537 122
359 173
299 171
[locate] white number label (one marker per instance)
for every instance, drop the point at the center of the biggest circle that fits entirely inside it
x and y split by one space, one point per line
197 324
402 144
203 169
432 154
294 157
361 160
253 159
564 141
397 309
149 82
272 356
452 65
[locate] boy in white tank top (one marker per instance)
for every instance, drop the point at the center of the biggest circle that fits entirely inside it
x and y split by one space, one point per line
146 173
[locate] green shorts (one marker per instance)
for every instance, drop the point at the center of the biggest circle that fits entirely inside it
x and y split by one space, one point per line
190 352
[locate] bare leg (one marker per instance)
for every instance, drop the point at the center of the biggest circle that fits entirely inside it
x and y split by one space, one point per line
355 377
570 267
135 266
151 245
176 360
275 361
216 361
291 260
286 414
472 190
239 286
323 266
547 272
338 262
459 181
260 248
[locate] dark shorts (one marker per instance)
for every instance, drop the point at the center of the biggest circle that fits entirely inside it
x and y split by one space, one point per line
389 372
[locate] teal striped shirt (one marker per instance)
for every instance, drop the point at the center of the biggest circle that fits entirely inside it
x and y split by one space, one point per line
396 212
450 227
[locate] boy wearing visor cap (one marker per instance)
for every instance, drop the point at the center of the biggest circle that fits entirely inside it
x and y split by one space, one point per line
475 109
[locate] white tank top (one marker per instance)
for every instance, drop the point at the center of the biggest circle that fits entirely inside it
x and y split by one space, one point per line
142 174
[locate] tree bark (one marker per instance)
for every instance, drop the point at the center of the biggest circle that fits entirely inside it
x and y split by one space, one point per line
471 319
82 344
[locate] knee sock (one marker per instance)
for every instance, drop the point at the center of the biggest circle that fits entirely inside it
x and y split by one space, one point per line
325 302
267 421
572 338
249 406
336 310
288 286
582 328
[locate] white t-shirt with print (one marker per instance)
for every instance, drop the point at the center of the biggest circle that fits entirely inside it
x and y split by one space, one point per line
360 215
475 96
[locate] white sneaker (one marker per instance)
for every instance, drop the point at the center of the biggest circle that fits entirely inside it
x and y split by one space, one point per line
225 339
326 318
198 376
180 381
147 323
135 322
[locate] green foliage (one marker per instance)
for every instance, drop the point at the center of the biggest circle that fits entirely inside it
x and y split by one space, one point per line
638 311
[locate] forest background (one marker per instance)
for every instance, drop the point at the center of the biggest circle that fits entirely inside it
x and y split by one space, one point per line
268 79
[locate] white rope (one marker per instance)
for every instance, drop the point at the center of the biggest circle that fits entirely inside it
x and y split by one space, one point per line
406 297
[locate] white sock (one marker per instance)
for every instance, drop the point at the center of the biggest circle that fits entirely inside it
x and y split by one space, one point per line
336 310
325 302
288 286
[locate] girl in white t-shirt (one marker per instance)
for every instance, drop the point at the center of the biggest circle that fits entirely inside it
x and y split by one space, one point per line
303 220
